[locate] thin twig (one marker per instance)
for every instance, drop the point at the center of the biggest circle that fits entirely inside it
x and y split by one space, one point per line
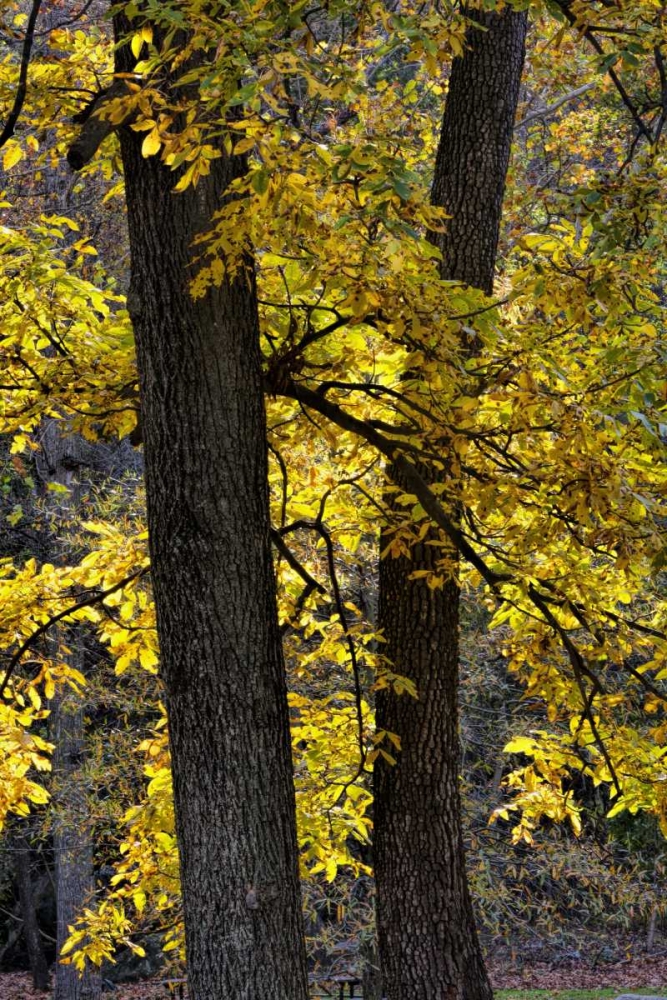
552 108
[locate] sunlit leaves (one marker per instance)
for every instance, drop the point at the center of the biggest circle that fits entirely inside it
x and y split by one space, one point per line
66 344
542 411
21 752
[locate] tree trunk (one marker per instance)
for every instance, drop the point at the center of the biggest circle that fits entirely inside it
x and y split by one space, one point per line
32 938
475 143
652 924
61 459
204 431
428 941
72 834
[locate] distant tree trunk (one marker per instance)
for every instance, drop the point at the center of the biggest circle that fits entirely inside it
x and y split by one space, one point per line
204 431
652 924
371 976
39 966
72 834
428 941
62 459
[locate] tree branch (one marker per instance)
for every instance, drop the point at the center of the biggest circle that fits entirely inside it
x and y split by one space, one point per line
392 451
293 562
22 89
95 129
94 598
552 108
643 129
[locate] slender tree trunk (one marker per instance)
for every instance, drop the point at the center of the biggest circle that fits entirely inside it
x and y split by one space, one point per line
39 966
72 834
427 936
204 431
60 455
652 924
475 143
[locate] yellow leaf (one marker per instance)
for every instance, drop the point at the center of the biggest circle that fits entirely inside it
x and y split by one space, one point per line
189 177
151 144
13 154
522 744
244 145
148 659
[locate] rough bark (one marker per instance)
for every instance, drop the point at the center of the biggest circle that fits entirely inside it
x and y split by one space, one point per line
32 938
427 936
204 431
475 143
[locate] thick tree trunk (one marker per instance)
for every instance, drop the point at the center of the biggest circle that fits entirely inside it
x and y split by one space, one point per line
428 941
32 938
204 432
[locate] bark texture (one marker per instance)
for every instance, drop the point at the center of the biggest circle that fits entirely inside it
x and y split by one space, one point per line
428 941
32 938
475 144
204 432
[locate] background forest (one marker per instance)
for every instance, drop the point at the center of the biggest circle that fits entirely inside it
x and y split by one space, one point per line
444 226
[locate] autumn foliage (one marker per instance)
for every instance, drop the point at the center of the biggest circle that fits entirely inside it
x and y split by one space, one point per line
548 397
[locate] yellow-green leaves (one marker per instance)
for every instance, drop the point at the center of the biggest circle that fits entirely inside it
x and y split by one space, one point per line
20 754
66 344
145 35
151 144
12 155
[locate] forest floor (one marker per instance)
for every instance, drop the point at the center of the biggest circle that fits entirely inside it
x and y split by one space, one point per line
643 972
541 981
